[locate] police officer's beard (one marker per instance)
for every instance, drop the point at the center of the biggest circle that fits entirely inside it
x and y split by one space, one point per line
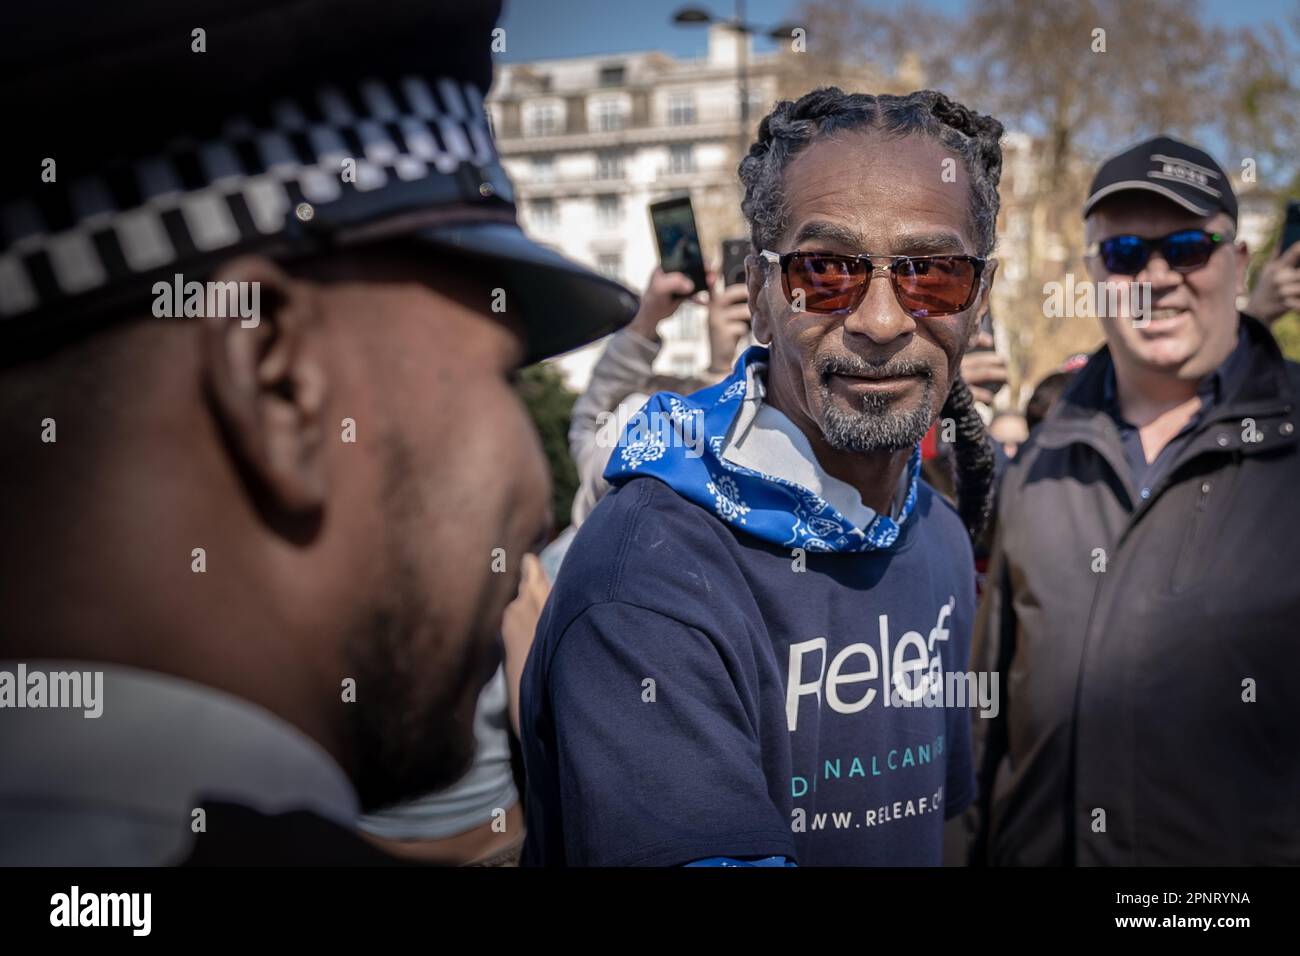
878 424
411 728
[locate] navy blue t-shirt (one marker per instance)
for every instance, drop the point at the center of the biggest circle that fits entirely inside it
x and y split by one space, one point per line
693 693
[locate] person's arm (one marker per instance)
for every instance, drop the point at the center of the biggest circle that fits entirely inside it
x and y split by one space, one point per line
983 370
626 366
658 758
729 322
518 627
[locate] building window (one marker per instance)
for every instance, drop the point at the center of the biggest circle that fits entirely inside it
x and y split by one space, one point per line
526 79
543 169
681 109
609 116
609 165
681 158
610 265
612 75
544 120
544 214
609 211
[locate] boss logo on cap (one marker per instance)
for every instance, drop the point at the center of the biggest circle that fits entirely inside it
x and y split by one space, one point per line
1180 170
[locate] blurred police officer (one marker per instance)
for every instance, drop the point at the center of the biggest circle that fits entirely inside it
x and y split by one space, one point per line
272 531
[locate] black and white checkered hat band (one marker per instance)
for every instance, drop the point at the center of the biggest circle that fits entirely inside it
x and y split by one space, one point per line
198 200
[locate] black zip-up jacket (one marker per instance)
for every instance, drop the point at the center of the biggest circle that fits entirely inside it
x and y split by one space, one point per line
1148 650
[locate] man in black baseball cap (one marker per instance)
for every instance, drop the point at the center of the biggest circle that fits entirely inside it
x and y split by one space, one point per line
1179 172
262 296
1142 595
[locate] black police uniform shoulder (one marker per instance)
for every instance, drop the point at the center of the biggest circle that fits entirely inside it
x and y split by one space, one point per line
237 835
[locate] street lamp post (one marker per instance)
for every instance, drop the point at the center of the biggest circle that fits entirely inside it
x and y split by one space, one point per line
697 16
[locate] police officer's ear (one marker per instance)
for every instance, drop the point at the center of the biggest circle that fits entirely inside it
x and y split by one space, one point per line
265 381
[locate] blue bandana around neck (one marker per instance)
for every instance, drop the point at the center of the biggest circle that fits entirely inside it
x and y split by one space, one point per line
680 440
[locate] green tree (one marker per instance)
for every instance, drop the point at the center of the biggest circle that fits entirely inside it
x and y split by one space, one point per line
1287 332
1257 114
550 403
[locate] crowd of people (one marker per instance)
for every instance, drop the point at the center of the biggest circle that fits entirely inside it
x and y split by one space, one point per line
819 605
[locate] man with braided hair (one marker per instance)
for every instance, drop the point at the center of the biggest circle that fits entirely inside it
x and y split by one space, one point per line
749 659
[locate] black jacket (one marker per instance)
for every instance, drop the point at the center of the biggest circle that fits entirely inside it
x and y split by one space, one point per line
1127 733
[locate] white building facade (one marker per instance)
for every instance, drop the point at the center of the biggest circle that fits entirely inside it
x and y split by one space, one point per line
590 142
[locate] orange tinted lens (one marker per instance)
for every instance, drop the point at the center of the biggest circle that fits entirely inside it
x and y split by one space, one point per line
828 283
934 285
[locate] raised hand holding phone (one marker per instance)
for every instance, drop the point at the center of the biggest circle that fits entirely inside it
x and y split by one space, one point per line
678 240
729 323
664 293
1277 290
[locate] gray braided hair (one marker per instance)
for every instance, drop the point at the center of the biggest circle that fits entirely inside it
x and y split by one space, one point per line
792 125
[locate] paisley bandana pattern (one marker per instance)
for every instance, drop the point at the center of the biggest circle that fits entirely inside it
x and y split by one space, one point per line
766 506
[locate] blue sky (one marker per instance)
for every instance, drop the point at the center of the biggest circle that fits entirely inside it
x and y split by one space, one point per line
539 29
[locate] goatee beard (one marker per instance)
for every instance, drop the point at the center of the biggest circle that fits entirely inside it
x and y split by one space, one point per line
878 425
